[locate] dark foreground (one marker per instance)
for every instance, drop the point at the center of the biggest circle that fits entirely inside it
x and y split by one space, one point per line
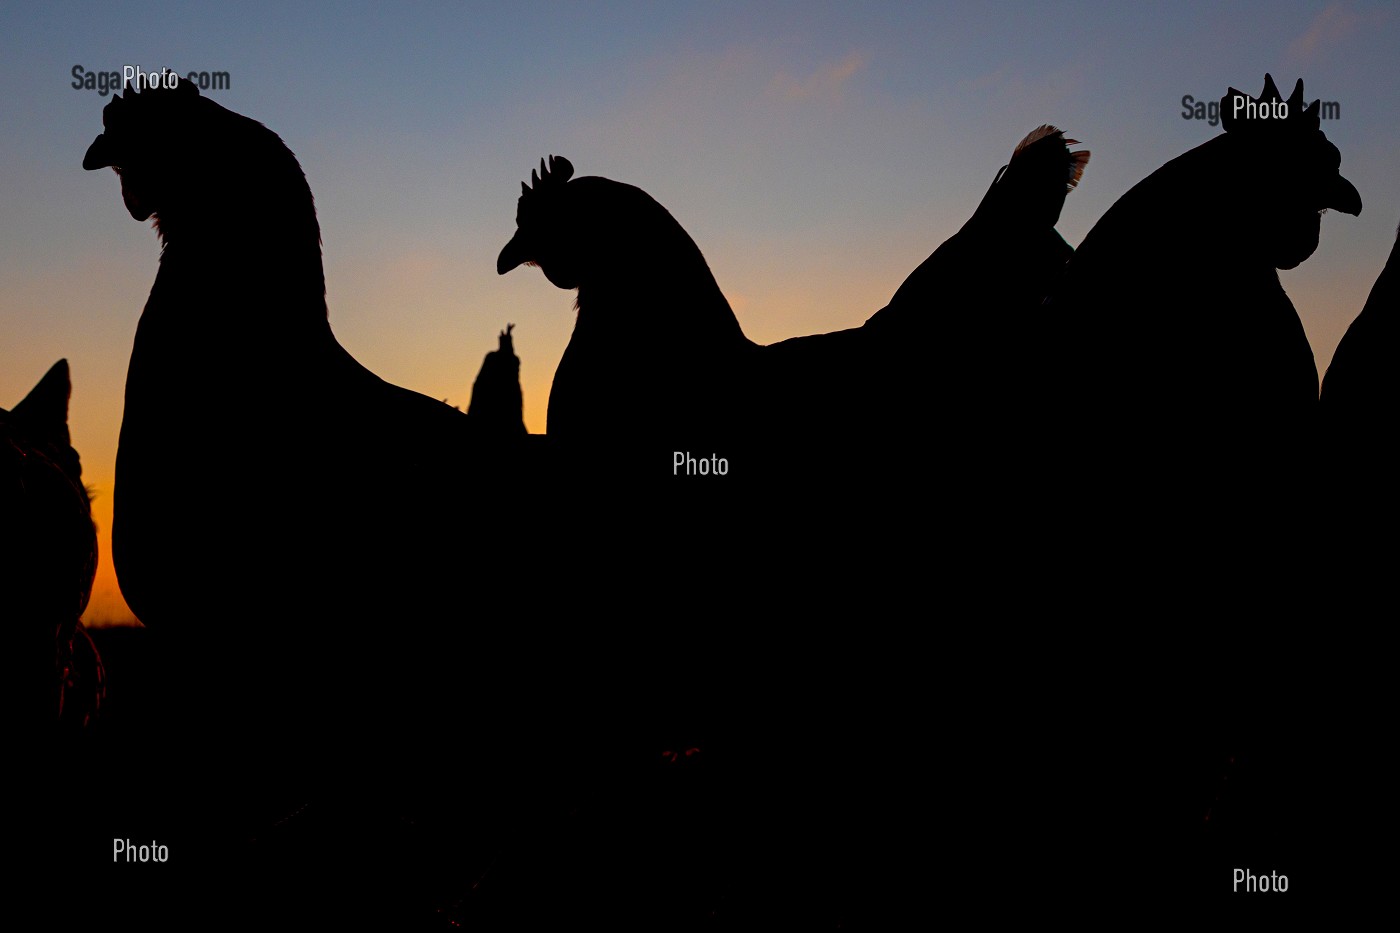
902 772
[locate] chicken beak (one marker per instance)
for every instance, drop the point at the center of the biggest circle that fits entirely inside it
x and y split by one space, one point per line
1344 197
99 154
513 255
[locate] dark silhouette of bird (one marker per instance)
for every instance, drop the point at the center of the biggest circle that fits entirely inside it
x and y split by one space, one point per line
239 390
659 359
974 302
48 557
300 537
497 406
656 358
1007 255
1178 396
1174 327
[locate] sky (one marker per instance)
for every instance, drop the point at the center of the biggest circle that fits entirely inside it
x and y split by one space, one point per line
817 153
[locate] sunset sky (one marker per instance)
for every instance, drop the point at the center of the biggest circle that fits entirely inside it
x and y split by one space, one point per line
817 153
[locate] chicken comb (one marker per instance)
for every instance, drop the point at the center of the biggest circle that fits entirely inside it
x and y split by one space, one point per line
118 105
1301 116
559 171
1076 160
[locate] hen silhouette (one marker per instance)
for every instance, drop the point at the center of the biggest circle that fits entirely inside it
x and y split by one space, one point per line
48 557
306 542
658 358
1175 325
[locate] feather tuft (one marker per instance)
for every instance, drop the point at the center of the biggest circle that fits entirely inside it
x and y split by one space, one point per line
1077 161
1037 134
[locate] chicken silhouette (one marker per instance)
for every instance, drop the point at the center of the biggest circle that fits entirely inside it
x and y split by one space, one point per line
497 405
658 358
1007 255
1179 391
299 536
1169 350
48 556
239 390
975 300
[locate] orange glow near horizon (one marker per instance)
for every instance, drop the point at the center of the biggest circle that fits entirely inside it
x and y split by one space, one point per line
106 607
